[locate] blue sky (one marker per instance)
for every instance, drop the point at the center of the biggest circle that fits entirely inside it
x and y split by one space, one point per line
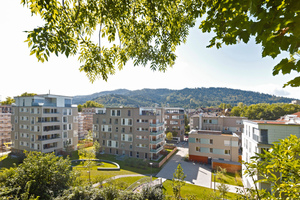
239 66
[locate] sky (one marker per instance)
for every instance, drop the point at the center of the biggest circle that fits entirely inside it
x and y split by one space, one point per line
239 66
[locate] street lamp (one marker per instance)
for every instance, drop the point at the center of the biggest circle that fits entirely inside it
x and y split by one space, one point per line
214 181
151 172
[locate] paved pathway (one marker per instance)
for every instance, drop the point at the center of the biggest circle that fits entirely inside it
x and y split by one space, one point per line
118 176
195 173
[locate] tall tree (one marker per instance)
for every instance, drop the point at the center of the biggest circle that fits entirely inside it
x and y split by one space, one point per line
178 181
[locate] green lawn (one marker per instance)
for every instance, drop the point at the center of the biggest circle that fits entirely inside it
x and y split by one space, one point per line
229 178
7 162
199 193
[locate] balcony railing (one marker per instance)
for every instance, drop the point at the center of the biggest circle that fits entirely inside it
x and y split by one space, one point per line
156 125
156 132
156 141
156 150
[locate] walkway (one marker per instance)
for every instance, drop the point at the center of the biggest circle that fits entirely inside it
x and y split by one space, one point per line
118 176
198 174
195 173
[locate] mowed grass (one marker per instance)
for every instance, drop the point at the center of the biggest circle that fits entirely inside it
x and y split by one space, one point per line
7 162
198 192
228 178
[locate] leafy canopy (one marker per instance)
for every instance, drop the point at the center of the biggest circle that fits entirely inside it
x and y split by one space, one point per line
149 31
40 175
8 101
278 167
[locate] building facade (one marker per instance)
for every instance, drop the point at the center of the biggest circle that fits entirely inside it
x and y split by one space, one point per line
5 125
259 135
225 124
134 132
45 123
174 121
205 145
87 115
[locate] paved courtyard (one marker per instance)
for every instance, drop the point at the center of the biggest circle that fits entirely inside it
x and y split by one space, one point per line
195 173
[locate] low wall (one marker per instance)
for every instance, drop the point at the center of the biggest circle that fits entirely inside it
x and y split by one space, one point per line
202 159
230 167
165 159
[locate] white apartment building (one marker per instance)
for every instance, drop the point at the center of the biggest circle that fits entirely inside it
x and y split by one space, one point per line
45 123
260 134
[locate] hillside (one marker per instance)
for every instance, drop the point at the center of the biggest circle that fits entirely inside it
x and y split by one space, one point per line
186 98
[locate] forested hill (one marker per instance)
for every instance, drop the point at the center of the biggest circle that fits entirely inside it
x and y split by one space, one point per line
186 98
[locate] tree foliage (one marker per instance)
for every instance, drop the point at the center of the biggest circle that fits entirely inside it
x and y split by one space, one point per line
202 97
149 31
178 181
144 31
26 94
40 175
169 136
89 104
264 111
8 101
278 167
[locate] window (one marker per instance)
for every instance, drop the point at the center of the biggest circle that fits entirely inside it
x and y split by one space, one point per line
113 113
197 148
103 121
211 150
137 154
123 130
227 152
211 141
130 146
116 121
65 134
65 119
129 112
103 142
117 129
130 154
118 113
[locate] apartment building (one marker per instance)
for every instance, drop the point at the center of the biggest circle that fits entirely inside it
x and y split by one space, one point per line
174 121
134 132
5 125
260 134
216 148
87 114
226 124
45 123
81 132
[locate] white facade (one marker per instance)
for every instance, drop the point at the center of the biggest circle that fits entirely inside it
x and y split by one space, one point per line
259 135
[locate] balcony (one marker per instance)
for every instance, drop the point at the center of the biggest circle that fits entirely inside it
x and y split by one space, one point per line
156 132
156 125
157 141
156 150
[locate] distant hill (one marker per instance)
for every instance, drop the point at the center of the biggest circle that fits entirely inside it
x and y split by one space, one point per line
186 98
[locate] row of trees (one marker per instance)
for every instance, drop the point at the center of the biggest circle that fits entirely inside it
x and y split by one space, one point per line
189 98
264 111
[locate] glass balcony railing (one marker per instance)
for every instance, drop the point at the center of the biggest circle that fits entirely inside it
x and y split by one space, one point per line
156 132
157 141
156 125
156 150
